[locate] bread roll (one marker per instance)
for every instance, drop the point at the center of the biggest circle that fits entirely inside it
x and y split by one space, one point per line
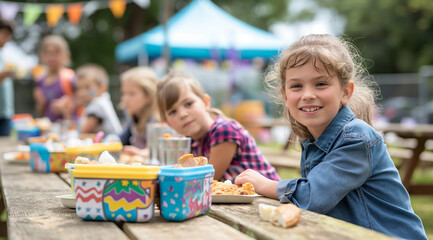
266 211
286 215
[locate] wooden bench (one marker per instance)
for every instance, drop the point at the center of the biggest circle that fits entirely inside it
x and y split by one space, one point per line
282 159
403 149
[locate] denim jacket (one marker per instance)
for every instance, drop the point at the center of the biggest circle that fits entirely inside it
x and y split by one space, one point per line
348 174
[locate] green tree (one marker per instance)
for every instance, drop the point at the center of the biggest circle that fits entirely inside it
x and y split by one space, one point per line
394 34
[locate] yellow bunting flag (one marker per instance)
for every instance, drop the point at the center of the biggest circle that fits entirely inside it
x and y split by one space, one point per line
31 13
54 13
117 7
74 12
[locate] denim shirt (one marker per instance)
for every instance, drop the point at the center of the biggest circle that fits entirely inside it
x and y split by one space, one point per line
348 174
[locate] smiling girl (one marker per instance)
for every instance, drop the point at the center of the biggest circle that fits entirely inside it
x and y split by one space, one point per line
346 170
229 147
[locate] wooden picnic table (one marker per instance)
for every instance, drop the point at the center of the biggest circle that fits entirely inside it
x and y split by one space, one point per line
33 212
421 133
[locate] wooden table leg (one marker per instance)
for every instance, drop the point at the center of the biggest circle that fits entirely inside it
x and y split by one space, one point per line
411 165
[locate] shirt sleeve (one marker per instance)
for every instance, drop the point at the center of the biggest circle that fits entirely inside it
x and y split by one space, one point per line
225 133
96 110
126 134
343 170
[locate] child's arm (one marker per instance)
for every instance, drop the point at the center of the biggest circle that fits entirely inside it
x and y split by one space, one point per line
262 185
40 100
221 155
90 124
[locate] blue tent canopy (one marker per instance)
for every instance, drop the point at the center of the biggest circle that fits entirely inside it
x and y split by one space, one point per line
202 31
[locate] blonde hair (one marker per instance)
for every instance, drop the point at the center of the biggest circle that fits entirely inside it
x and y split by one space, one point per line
94 72
58 41
339 59
170 88
146 78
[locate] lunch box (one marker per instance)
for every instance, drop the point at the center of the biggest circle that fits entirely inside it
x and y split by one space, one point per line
185 192
115 192
43 160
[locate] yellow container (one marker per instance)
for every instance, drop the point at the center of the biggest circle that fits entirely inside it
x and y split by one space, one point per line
115 192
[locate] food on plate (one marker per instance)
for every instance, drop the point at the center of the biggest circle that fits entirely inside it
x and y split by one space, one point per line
188 160
166 135
81 160
131 159
25 156
227 188
285 215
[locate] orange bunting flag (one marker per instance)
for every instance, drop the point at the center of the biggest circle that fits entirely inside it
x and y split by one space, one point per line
74 12
117 7
54 13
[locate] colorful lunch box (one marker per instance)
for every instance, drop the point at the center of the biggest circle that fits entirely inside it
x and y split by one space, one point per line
42 160
185 192
115 192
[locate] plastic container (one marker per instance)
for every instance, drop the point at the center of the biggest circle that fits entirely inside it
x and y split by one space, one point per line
171 149
42 160
185 192
25 133
115 192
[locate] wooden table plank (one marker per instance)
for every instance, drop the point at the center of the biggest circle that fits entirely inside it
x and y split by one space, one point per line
203 227
246 218
33 212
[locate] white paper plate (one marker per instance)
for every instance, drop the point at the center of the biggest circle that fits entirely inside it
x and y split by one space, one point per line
67 200
233 198
10 157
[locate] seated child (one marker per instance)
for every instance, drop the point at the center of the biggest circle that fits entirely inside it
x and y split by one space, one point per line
139 103
91 92
228 146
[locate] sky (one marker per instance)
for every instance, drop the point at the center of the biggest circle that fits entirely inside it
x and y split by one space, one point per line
326 21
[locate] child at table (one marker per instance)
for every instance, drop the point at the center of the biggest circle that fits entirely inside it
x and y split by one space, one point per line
91 92
138 101
53 92
346 170
6 84
229 147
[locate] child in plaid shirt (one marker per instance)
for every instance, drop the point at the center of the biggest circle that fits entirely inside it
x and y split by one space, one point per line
228 146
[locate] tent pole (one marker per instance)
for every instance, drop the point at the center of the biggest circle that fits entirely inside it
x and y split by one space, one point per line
166 14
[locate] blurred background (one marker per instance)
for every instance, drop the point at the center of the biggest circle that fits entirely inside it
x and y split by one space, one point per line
228 45
392 36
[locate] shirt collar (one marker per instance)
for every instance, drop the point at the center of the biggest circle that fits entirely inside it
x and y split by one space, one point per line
331 132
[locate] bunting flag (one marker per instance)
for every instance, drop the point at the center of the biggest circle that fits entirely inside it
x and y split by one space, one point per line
54 13
8 10
31 13
74 12
117 7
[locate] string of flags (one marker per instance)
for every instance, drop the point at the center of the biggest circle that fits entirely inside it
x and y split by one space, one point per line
54 11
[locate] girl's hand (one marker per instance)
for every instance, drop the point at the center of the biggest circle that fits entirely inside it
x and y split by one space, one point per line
40 100
132 150
262 185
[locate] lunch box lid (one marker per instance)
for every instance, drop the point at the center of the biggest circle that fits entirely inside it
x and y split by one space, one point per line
96 147
171 171
115 171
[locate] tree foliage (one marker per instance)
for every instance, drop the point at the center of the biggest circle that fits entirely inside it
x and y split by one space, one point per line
394 34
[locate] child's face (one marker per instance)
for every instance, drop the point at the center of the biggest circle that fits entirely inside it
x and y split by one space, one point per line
86 90
313 97
5 36
53 56
133 98
189 115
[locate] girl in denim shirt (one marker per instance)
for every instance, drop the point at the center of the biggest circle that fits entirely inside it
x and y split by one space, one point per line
346 170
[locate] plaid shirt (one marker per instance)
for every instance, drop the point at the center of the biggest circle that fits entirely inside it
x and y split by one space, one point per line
247 155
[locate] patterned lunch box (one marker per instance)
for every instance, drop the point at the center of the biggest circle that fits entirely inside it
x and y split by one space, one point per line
115 192
185 192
